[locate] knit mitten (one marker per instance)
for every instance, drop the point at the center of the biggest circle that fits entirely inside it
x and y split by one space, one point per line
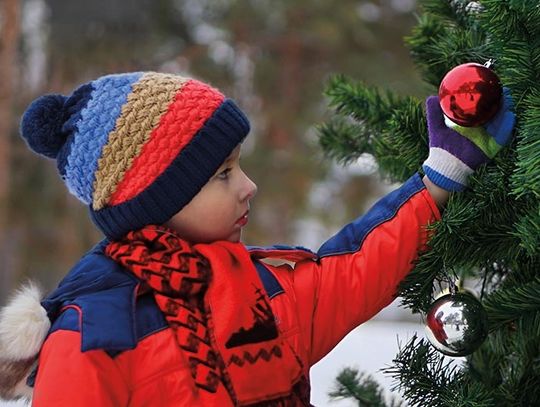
455 152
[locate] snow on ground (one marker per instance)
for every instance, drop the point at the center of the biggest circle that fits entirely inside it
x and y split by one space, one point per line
369 348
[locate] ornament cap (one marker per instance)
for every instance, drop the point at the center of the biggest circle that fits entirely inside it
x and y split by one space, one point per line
489 63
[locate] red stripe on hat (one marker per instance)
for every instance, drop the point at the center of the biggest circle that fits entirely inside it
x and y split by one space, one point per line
192 106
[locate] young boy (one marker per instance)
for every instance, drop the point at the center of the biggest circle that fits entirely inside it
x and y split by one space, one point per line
171 309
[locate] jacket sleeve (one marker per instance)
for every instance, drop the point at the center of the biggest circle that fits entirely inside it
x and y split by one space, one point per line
360 268
69 377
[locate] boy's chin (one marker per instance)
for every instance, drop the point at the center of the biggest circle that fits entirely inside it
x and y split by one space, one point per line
235 237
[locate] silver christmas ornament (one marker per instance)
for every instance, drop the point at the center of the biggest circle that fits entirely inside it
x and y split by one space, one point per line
456 324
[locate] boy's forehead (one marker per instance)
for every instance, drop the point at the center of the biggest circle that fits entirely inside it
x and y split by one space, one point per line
234 154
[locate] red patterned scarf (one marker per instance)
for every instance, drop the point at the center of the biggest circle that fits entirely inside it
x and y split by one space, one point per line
214 302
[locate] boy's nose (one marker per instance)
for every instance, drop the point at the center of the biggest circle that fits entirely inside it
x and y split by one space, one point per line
249 189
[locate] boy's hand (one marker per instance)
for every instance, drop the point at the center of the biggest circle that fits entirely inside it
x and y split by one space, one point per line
455 152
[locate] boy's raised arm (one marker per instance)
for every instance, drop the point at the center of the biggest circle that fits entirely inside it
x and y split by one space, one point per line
361 267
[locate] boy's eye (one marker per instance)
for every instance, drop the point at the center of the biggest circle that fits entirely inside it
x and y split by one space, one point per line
223 175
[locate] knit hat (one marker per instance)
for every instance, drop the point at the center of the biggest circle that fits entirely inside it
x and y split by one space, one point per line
135 147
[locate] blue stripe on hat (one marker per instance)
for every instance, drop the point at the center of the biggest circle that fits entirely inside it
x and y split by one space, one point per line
96 122
74 105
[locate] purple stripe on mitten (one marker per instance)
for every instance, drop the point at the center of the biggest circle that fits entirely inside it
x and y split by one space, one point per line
443 137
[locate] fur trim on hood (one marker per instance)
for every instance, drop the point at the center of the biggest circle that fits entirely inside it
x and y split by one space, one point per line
23 328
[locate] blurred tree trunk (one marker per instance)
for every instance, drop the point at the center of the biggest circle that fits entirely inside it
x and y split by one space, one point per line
9 36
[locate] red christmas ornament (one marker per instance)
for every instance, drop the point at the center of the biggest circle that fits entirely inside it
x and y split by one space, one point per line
470 94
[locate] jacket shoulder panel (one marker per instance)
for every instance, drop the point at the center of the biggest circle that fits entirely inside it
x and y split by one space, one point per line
110 314
350 238
148 319
281 253
270 282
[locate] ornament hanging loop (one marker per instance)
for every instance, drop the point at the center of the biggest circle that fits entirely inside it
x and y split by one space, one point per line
489 63
452 278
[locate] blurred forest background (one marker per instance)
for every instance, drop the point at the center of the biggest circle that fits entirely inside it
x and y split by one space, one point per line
272 56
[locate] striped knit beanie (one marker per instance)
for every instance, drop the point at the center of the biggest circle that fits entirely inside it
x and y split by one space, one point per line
135 147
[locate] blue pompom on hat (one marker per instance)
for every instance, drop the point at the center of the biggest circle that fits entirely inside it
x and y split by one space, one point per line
41 125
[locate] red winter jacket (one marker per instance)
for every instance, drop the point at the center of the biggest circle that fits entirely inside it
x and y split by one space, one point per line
109 347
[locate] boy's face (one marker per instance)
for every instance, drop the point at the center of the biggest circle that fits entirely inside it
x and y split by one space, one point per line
220 210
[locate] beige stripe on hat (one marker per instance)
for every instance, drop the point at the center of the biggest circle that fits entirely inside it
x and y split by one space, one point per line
146 104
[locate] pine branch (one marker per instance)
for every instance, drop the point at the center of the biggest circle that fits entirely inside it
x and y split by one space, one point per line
518 364
514 32
364 103
390 128
416 290
424 50
462 13
521 272
508 305
427 379
527 227
351 384
511 18
438 44
343 140
405 139
526 178
483 366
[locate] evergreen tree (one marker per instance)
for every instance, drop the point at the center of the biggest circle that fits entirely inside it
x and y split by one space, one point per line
491 232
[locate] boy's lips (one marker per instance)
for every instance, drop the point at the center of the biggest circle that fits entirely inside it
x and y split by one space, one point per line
242 220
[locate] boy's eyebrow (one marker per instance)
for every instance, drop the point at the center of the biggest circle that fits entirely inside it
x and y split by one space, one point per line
226 163
231 157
